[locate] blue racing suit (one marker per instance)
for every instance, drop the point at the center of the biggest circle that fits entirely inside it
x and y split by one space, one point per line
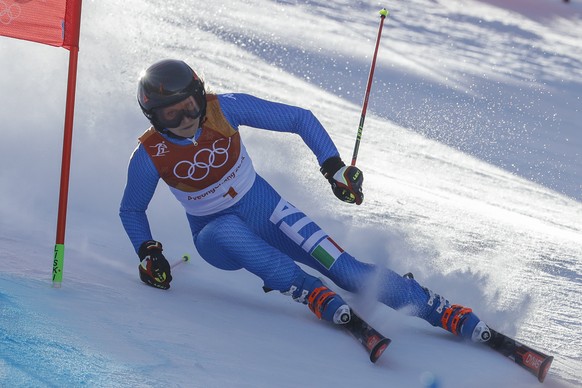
237 219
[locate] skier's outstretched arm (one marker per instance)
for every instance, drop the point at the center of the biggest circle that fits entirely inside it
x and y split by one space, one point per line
142 179
244 109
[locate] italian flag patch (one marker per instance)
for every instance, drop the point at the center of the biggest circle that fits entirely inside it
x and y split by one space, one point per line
327 252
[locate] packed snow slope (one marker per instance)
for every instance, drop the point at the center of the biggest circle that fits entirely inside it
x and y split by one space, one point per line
471 156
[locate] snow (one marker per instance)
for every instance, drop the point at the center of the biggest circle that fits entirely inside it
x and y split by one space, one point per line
471 153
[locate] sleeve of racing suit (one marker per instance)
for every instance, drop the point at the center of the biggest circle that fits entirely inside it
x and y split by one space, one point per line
142 180
244 109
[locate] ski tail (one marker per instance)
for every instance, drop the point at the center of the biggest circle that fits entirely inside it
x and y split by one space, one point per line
374 342
531 360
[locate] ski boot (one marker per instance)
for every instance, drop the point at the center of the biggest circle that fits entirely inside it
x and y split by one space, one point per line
324 303
457 319
461 321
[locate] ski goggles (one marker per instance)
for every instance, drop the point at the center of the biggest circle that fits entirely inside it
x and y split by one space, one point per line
171 117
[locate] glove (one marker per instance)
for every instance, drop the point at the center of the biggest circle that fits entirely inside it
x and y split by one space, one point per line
346 181
154 269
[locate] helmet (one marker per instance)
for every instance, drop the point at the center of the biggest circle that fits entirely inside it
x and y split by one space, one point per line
168 82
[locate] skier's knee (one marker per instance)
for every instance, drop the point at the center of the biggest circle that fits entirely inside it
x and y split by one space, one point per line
209 246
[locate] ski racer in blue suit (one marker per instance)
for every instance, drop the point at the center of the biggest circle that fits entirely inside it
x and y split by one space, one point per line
237 219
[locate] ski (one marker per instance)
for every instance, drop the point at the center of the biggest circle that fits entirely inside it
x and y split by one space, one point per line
374 342
533 361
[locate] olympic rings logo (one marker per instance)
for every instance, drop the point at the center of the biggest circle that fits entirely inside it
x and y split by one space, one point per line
204 160
9 13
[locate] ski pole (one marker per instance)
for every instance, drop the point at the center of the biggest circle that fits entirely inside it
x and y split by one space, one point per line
184 259
383 13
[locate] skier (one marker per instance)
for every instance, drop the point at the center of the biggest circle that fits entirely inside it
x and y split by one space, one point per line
237 219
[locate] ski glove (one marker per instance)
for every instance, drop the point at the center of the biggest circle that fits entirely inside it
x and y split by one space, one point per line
154 269
346 181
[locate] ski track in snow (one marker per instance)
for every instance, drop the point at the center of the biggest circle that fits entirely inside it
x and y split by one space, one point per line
471 152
